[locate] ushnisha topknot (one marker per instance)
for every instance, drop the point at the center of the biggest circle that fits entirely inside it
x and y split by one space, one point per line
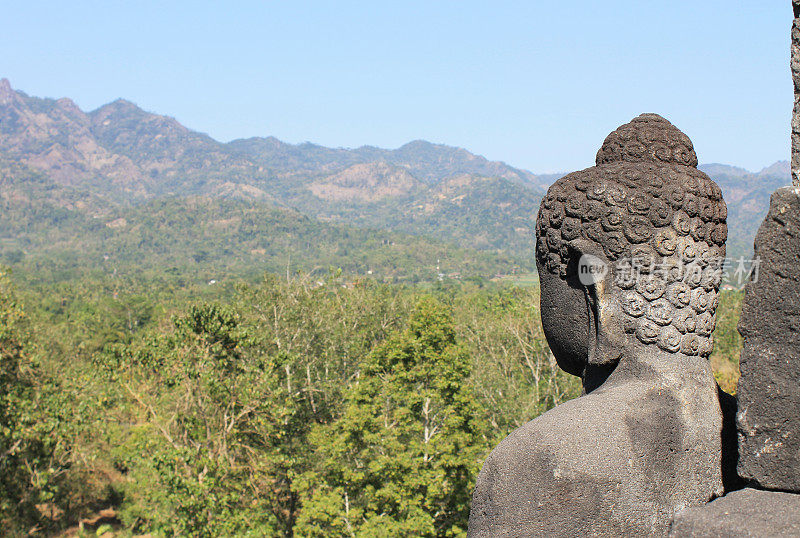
661 223
648 138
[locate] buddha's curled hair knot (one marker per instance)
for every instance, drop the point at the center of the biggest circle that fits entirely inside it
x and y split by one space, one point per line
648 138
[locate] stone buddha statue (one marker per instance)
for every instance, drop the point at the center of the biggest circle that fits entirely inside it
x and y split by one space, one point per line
630 255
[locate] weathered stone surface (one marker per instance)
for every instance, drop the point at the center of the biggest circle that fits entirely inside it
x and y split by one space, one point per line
768 419
645 441
747 512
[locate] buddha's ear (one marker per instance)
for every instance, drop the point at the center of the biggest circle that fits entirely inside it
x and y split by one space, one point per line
595 274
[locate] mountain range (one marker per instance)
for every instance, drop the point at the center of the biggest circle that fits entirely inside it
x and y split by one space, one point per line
109 163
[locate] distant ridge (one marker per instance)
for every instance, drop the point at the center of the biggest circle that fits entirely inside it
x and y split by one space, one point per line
120 154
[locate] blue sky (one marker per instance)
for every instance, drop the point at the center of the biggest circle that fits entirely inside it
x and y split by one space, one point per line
535 84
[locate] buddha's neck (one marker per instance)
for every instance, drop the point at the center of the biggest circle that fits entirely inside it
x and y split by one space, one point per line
645 363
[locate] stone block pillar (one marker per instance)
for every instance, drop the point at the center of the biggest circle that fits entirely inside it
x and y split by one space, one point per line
768 419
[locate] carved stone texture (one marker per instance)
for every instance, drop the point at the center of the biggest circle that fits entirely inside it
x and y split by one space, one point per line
747 512
768 419
645 441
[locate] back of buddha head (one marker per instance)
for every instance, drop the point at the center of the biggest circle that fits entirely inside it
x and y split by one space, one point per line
658 223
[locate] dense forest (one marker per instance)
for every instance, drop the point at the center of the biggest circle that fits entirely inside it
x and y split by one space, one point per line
285 405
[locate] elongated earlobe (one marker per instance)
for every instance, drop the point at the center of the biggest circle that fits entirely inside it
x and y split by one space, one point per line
606 335
605 331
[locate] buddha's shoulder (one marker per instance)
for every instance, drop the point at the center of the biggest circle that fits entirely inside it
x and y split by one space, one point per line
572 429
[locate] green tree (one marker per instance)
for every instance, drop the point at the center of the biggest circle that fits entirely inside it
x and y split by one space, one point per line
205 418
402 458
28 469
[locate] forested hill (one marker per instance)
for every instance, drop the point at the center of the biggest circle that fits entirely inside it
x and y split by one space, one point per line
113 162
98 165
122 151
60 233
